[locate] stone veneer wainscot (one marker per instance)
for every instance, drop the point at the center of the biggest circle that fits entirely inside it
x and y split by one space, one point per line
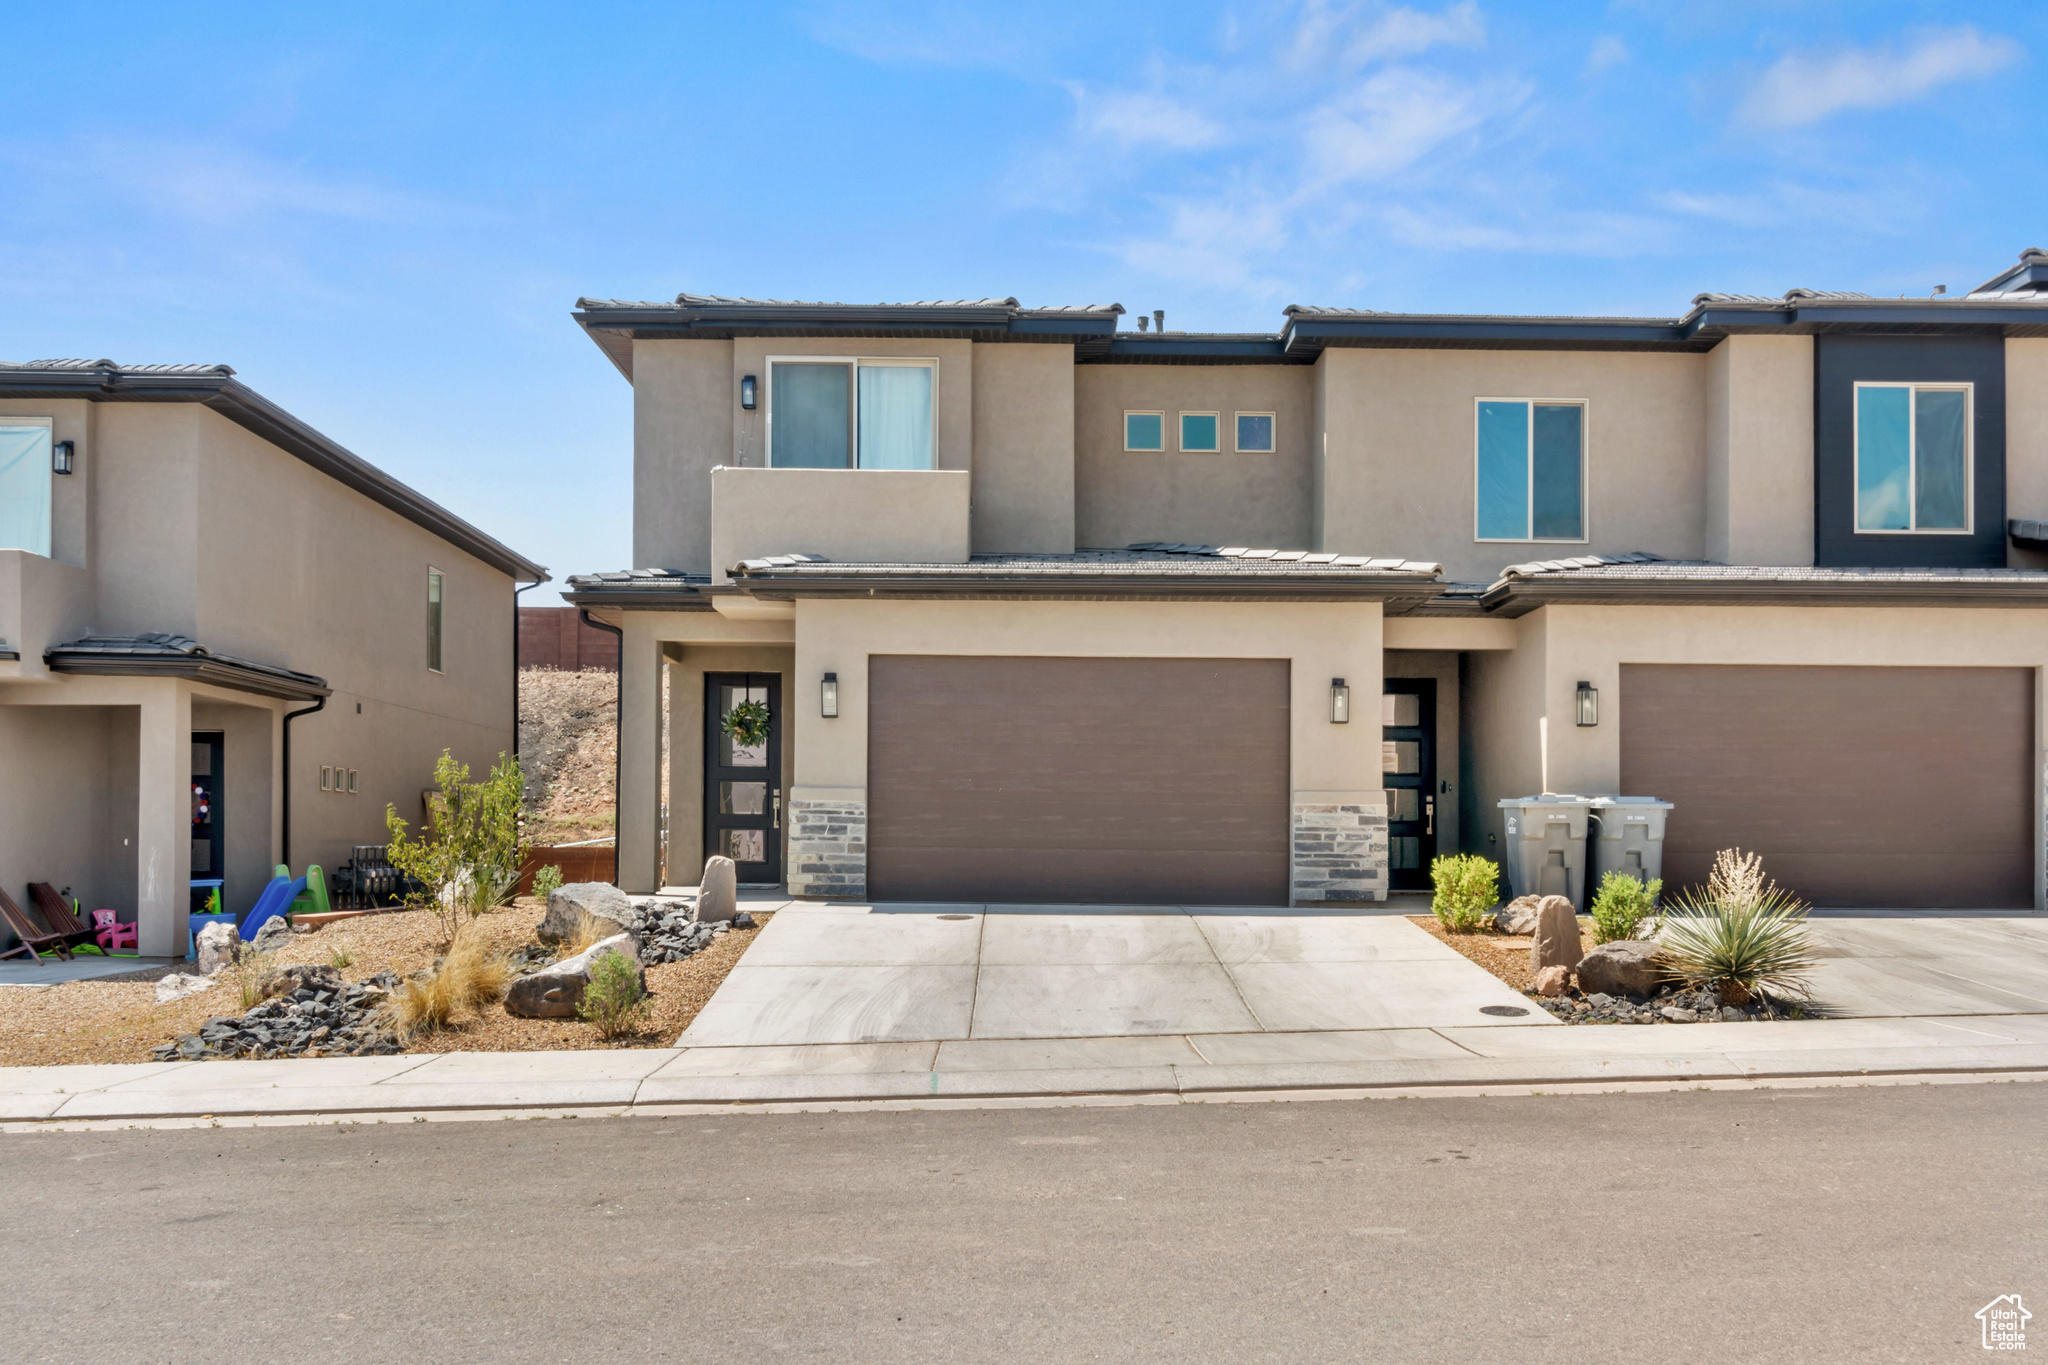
1339 847
828 842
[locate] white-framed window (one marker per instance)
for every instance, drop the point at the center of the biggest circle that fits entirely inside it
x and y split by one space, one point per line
1530 469
1144 431
25 484
1255 433
850 412
1915 458
326 777
1201 432
435 592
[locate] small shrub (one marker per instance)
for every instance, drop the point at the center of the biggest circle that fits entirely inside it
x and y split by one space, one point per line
1467 888
547 881
614 1001
1743 936
1624 908
467 978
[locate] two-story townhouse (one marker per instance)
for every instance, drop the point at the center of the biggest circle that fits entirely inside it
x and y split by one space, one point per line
226 642
1045 609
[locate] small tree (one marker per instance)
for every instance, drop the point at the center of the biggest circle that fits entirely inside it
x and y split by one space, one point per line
469 853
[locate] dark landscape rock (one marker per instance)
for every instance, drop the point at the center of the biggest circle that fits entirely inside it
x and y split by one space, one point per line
315 1011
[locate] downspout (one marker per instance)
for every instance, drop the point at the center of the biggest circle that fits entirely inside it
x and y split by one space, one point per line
516 590
284 833
618 729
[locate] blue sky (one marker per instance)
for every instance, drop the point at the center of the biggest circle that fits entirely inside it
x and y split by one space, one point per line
381 215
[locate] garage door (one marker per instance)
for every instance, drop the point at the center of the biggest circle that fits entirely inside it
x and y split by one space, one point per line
1152 781
1909 787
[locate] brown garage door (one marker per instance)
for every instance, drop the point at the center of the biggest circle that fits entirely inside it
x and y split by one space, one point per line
1909 787
1155 781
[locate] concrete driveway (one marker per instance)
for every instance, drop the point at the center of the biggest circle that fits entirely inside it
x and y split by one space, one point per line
1897 966
822 974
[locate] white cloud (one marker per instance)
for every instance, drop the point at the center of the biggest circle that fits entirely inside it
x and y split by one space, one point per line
1403 32
1608 51
1214 242
1135 119
1391 121
1805 89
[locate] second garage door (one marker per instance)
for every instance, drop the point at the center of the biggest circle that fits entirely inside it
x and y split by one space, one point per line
1148 781
1899 787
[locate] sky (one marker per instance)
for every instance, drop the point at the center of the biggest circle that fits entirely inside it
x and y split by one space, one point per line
382 215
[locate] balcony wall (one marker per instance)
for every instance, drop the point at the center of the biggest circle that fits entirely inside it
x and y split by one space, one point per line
42 603
849 515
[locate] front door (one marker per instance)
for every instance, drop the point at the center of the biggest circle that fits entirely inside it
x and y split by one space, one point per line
743 782
208 829
1408 765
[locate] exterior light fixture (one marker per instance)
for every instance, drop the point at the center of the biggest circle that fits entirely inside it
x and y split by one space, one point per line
828 696
1340 702
61 457
1589 704
747 393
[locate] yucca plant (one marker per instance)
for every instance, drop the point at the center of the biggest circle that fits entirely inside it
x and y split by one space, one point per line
1743 936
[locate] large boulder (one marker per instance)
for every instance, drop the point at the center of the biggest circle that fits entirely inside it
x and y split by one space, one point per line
555 991
1625 967
718 891
1557 935
567 905
216 947
1518 916
275 933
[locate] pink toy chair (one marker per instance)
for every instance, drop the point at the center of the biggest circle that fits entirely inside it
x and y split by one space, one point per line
112 933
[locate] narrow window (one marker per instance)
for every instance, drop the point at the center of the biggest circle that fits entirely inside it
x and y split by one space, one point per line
1912 457
434 620
1144 431
326 778
850 414
25 485
351 781
1531 470
1255 432
1198 432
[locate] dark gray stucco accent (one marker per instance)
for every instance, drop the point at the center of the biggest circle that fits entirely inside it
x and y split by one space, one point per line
1839 363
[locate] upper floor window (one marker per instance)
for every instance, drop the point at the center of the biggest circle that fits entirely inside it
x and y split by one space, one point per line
1913 455
1255 432
1144 431
434 590
1199 432
25 484
1531 470
829 413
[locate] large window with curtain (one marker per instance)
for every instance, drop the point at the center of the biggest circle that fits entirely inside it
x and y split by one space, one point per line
831 413
25 484
1913 458
1531 469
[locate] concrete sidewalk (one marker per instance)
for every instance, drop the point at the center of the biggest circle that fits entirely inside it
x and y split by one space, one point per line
1156 1068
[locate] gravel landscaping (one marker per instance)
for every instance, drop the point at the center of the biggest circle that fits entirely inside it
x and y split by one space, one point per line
118 1019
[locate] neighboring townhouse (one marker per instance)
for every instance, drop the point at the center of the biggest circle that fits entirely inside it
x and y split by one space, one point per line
225 641
1047 609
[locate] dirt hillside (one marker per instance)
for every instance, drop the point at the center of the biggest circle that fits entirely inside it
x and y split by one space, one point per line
568 743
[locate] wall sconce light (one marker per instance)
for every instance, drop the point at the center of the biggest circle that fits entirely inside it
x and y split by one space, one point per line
747 393
828 696
1589 704
1340 702
61 457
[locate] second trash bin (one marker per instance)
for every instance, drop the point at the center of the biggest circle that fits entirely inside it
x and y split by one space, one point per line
1546 846
1630 837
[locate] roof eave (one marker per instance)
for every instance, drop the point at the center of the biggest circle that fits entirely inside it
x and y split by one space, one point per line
1520 596
1306 588
200 669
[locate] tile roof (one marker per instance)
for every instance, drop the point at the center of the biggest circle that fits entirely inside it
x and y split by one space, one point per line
715 301
1649 568
1148 560
113 367
157 652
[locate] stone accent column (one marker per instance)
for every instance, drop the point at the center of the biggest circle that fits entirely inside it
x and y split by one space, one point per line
1339 846
828 841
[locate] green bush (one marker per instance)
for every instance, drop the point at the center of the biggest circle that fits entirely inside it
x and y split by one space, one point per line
1624 908
1467 889
547 881
614 1001
1743 936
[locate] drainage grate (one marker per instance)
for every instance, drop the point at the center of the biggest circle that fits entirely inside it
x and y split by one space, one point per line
956 917
1504 1011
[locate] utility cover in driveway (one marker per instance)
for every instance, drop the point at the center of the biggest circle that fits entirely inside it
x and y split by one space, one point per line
1883 787
1141 781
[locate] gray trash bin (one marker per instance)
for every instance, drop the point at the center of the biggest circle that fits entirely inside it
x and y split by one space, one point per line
1546 845
1629 837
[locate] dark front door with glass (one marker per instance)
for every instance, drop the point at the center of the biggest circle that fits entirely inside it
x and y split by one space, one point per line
743 772
1408 764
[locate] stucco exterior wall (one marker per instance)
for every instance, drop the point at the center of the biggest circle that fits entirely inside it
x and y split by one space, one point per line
73 420
145 491
72 771
916 516
1401 426
1124 497
686 420
2026 439
1023 458
1502 733
1759 484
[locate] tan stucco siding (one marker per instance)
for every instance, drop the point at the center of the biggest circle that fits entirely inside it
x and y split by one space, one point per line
1502 733
2026 439
685 421
916 516
71 812
1759 460
71 419
1399 466
145 488
1124 497
1023 449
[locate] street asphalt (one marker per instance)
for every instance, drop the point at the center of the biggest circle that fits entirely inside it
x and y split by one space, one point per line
1827 1224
